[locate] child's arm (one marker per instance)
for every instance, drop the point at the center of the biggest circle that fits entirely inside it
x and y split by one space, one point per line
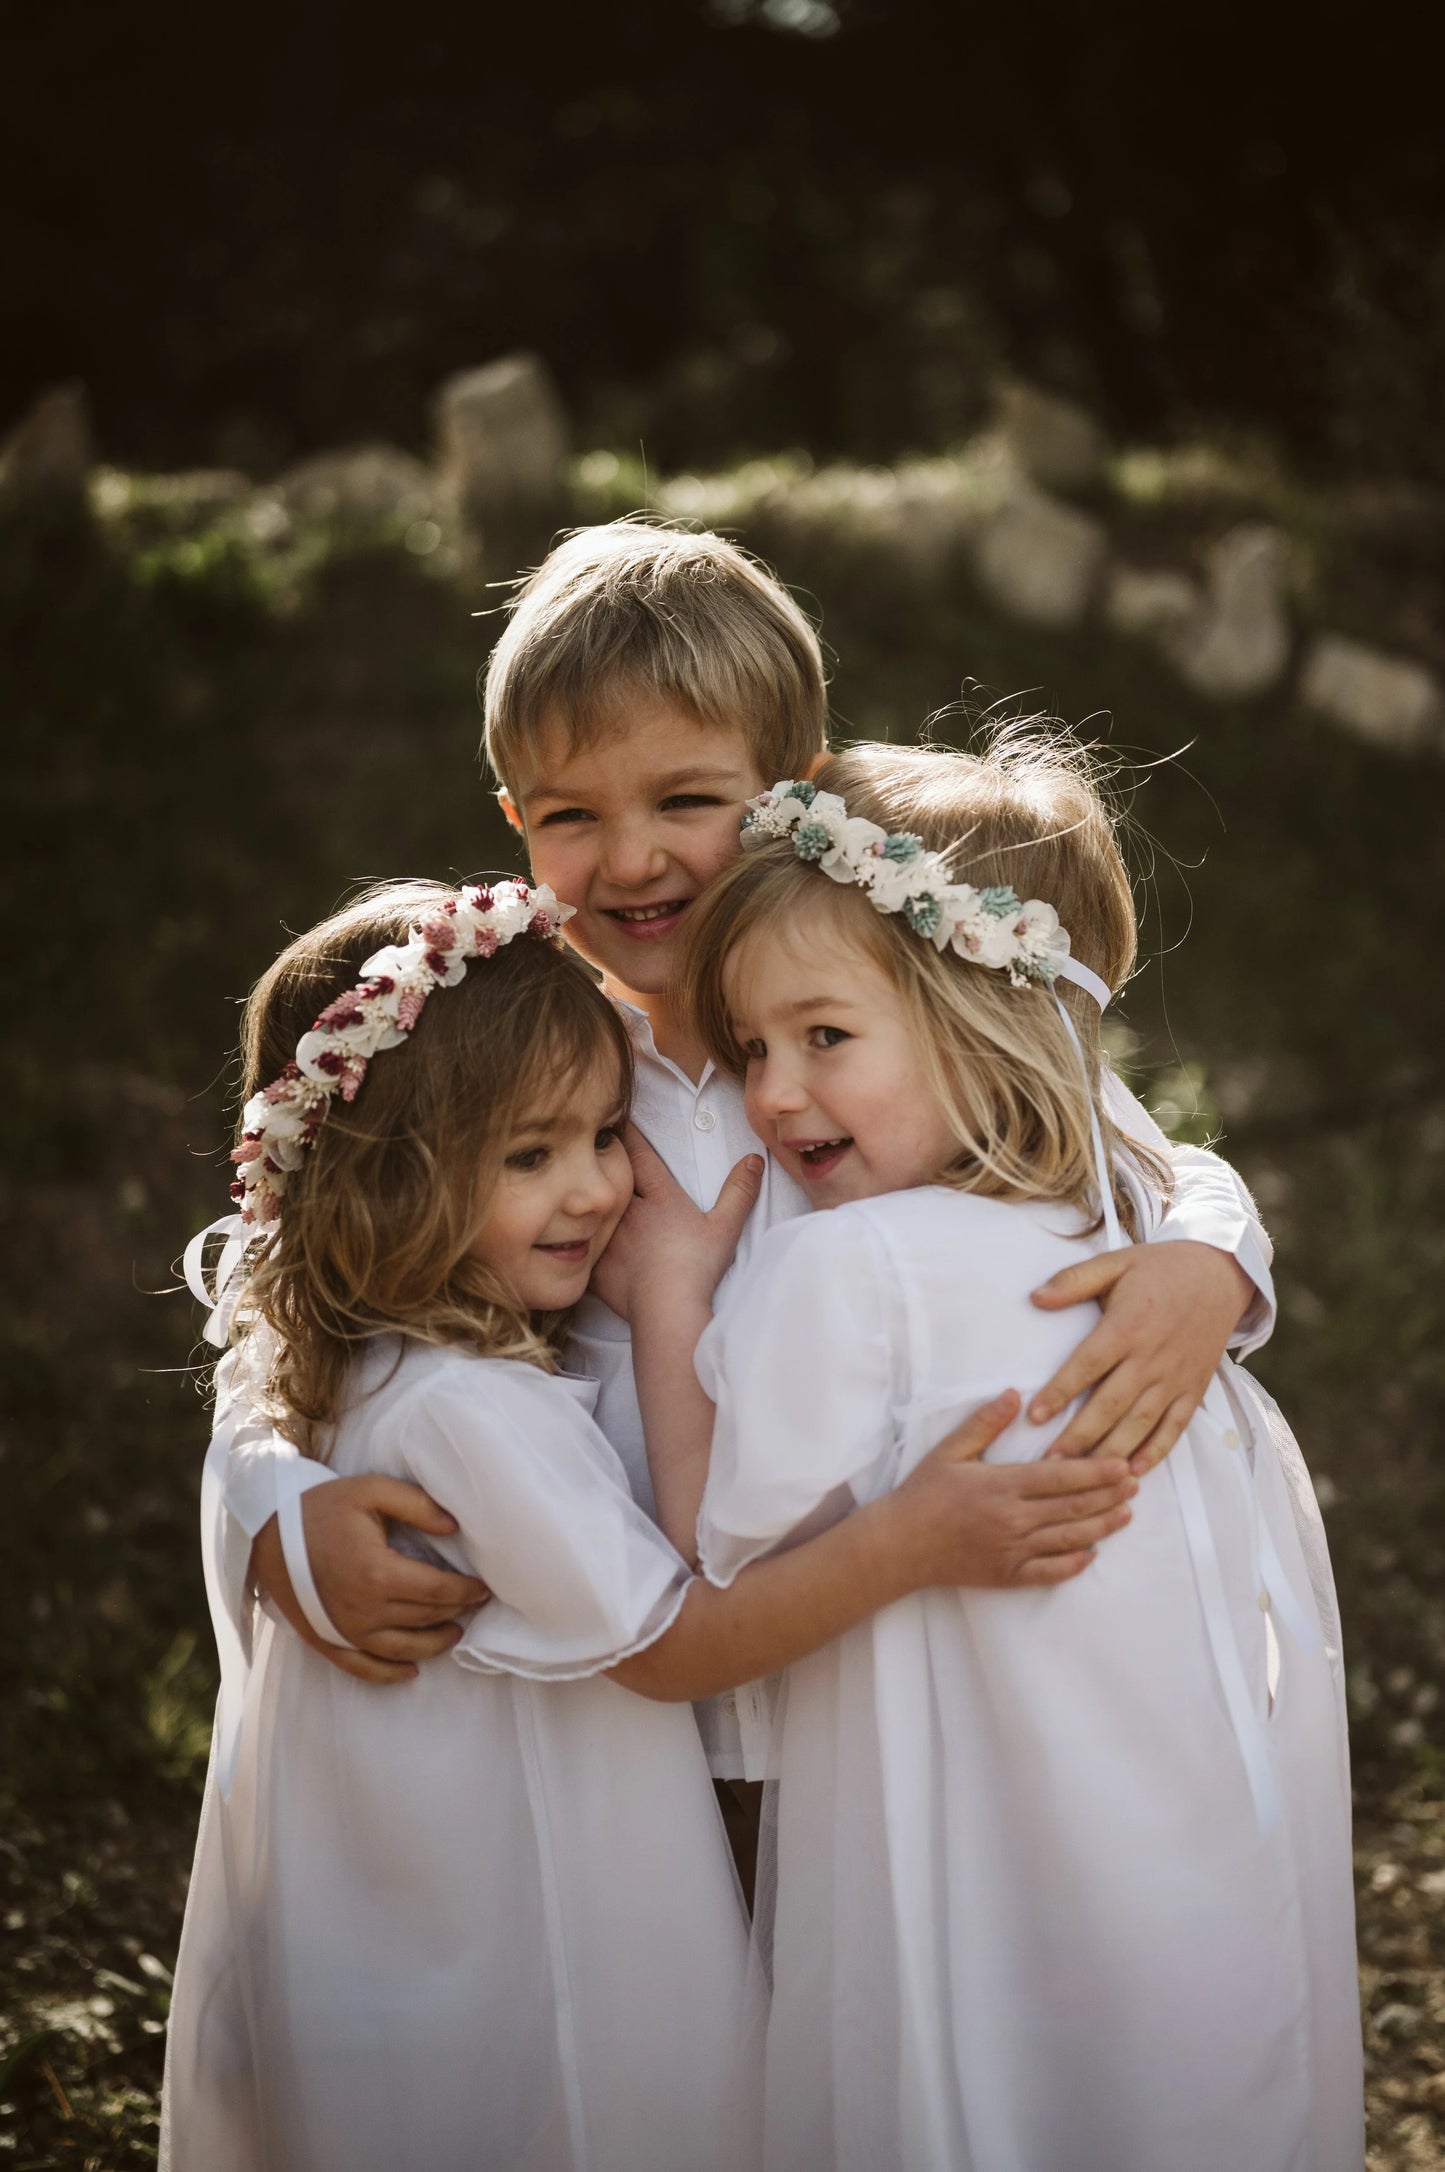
929 1531
1172 1308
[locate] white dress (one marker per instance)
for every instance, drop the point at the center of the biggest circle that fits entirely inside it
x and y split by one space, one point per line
487 1922
1060 1885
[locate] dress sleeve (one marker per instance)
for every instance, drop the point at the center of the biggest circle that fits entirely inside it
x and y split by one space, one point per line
1211 1205
258 1471
801 1364
579 1577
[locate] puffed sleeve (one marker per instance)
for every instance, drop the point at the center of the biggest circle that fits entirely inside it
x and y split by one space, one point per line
580 1578
1211 1205
802 1363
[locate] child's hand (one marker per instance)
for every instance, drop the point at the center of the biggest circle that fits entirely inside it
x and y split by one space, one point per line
394 1609
665 1242
1169 1311
1007 1524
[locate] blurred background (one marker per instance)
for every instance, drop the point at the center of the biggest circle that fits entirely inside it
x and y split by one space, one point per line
1082 360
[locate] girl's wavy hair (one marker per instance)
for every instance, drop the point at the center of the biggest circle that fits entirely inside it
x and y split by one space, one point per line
1023 806
373 1239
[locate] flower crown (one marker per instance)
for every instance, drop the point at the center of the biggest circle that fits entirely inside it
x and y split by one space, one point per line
990 927
280 1124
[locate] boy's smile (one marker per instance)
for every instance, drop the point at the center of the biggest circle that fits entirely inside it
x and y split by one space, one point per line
631 828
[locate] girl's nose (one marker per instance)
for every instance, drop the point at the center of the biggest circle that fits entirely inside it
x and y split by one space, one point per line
592 1190
775 1090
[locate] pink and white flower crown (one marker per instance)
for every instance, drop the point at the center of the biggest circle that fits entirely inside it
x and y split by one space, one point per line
990 927
280 1124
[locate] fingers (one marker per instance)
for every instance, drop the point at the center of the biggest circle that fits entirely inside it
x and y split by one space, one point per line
364 1668
1117 1392
1076 1285
409 1647
1056 1570
418 1614
1075 1536
406 1591
402 1502
1163 1437
969 1440
1097 1355
738 1197
650 1172
1052 1479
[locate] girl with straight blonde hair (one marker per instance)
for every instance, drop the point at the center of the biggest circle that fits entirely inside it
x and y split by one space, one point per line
1061 1880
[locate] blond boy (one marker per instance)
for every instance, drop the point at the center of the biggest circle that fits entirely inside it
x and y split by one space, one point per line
648 683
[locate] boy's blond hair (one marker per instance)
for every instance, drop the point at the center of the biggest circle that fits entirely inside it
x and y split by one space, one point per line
635 607
1024 810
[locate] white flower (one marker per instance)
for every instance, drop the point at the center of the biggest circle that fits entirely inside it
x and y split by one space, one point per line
891 883
853 840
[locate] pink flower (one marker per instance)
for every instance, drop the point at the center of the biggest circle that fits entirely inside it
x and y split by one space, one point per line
481 900
487 944
440 933
345 1011
249 1150
352 1077
409 1009
280 1088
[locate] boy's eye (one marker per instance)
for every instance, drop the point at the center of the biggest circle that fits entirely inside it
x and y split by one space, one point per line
563 814
530 1157
755 1050
828 1036
693 799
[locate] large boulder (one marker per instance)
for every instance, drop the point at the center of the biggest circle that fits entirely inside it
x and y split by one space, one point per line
502 438
1058 445
1388 699
1039 561
1238 642
50 452
360 483
1149 602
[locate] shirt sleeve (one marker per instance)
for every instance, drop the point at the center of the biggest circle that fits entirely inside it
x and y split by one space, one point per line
800 1364
257 1468
1211 1205
579 1577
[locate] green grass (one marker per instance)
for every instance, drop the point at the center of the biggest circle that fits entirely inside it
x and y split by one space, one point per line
211 734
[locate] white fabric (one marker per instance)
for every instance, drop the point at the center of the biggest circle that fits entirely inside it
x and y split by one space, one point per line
490 1920
701 1131
1026 1916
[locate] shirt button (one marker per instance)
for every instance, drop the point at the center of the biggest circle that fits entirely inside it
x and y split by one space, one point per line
1231 1438
704 1119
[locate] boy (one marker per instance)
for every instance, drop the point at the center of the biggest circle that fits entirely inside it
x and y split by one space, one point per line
648 684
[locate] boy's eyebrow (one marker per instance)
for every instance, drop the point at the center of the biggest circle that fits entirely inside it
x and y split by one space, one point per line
671 781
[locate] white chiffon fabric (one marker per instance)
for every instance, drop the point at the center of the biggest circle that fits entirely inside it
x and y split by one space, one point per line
1030 1913
487 1919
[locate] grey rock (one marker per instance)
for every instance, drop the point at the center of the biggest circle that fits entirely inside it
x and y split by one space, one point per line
501 437
50 452
1055 443
1390 700
1238 642
1149 602
1039 561
358 483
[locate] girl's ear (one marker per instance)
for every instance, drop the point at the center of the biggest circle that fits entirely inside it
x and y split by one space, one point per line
509 808
817 762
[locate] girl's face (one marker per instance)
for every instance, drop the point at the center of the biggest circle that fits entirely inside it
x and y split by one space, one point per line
565 1181
834 1085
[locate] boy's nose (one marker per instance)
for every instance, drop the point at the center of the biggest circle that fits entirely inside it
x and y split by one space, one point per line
631 857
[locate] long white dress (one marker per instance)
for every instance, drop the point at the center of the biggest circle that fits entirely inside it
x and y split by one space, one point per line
1061 1886
487 1922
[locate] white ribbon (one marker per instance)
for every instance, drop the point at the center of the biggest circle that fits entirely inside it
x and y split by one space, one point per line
1250 1730
220 1299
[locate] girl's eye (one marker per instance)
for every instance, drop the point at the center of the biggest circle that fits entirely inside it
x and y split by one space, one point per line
829 1036
531 1157
609 1136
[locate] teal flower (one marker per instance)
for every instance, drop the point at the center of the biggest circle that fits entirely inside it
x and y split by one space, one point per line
924 914
901 848
999 902
811 840
807 793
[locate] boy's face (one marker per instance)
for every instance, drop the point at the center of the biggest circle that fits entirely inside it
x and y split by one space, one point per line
632 828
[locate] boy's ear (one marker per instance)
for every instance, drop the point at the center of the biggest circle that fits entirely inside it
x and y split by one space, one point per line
509 808
823 755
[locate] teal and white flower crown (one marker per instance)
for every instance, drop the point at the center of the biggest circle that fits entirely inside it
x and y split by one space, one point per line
992 927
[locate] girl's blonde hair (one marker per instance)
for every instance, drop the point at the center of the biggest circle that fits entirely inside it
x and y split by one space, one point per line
375 1232
1022 808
